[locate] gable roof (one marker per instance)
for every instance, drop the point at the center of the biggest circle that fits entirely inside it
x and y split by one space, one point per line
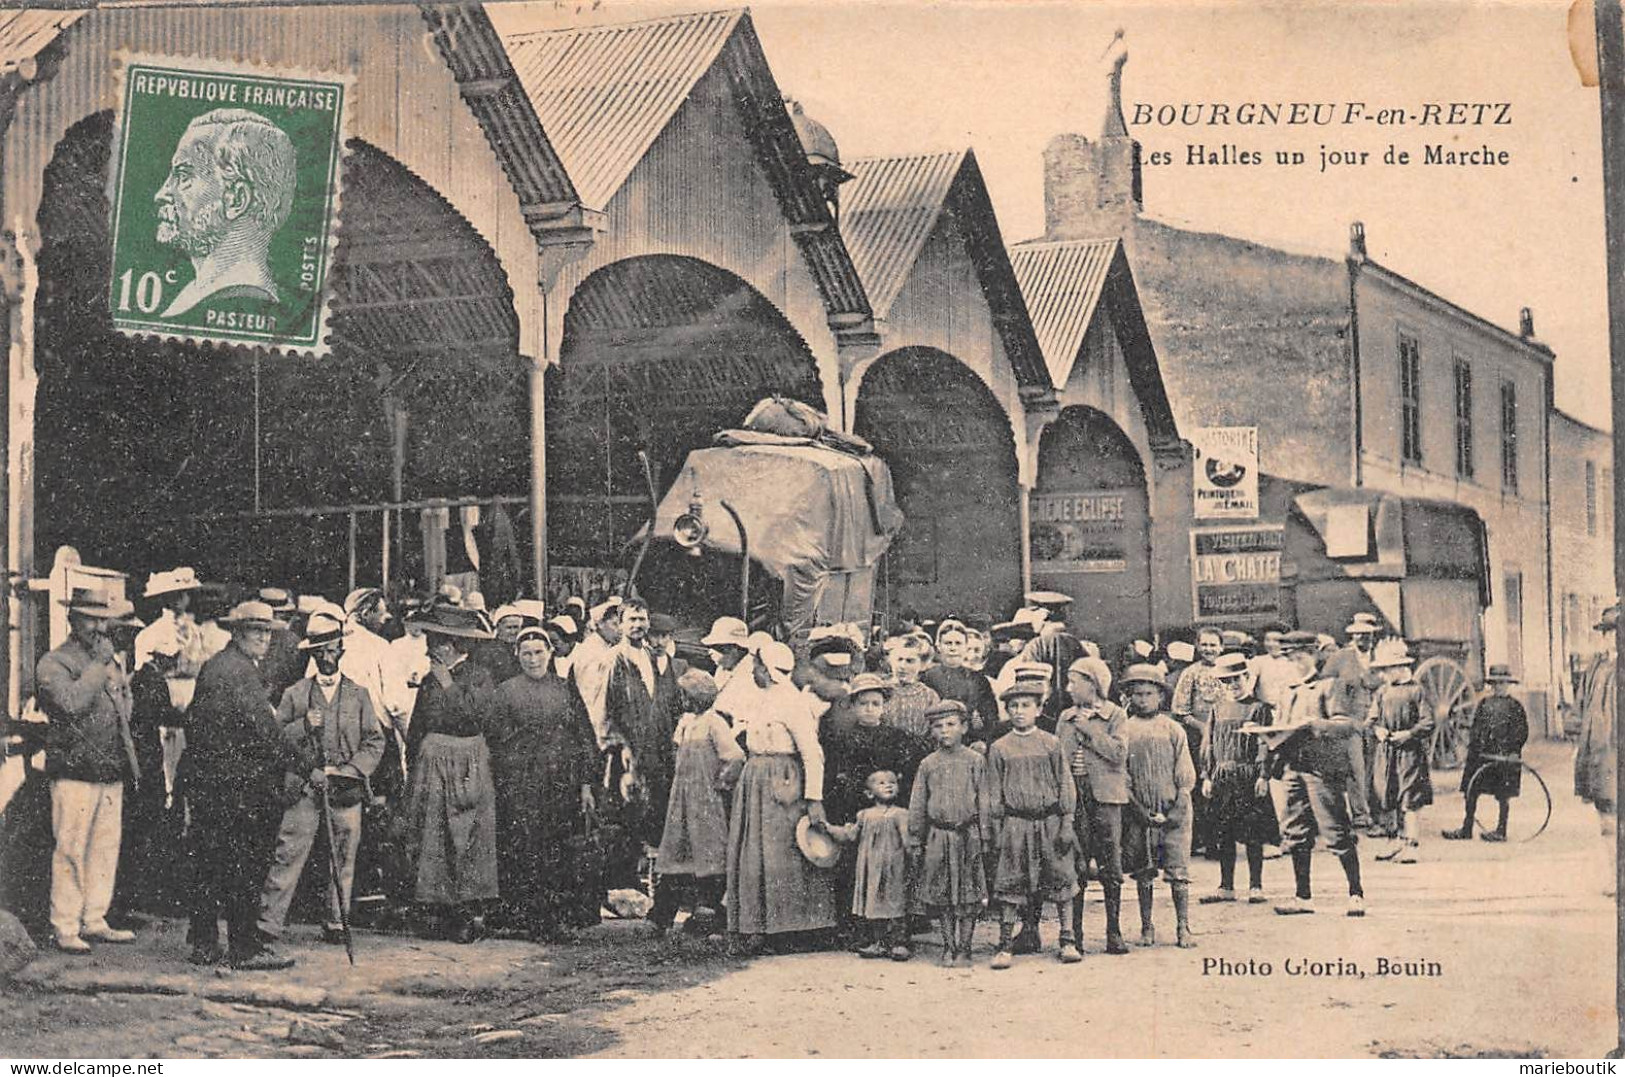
1065 284
890 211
604 93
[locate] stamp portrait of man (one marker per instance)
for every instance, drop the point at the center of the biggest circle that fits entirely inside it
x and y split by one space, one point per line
229 189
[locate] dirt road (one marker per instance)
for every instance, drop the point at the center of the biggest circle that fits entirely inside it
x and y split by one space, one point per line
1512 946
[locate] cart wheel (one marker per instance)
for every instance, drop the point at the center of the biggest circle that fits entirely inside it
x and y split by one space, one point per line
1446 688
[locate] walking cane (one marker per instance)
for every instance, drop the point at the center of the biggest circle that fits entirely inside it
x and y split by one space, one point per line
333 854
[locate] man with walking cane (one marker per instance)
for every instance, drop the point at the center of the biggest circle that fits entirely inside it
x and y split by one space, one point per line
330 723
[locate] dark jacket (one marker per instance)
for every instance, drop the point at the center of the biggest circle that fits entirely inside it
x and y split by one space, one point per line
88 704
352 740
235 753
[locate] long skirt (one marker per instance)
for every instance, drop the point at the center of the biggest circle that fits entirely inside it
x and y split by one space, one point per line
452 821
772 888
695 839
1238 813
1400 777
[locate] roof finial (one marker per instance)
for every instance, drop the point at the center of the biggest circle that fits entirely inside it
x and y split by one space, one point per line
1116 55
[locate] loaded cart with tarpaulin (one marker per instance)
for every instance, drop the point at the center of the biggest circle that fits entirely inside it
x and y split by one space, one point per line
808 517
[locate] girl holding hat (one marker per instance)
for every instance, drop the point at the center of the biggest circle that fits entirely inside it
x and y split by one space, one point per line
693 856
1235 781
772 889
1494 764
1157 826
1403 731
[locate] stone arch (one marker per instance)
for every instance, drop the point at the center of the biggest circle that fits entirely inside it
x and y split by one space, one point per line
952 454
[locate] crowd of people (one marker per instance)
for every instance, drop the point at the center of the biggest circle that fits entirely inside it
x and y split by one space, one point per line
506 771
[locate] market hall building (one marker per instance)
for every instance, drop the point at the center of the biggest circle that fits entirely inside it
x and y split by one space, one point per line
1403 440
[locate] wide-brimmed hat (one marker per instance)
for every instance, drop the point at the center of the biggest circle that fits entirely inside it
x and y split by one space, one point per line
98 602
176 579
777 658
1391 652
322 629
1299 641
1144 673
1609 620
1363 624
727 632
1229 665
818 847
252 614
360 599
1500 674
869 682
1092 667
449 620
279 599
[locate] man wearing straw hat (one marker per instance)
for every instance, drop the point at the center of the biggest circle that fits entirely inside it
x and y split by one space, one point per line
232 772
329 723
88 752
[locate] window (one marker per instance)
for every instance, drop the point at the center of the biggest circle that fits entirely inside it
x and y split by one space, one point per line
1514 612
1464 419
1410 400
1591 498
1509 437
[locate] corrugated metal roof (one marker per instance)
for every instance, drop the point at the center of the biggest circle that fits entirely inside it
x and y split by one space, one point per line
887 213
24 34
604 93
1062 283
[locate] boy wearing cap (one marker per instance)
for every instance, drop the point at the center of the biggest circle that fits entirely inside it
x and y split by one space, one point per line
1157 832
949 818
1091 736
1310 761
1402 725
1235 781
1033 800
1494 764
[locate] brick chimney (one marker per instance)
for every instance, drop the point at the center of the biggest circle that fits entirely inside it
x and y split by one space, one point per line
1092 188
1526 323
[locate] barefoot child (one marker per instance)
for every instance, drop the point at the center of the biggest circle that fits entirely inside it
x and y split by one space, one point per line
693 856
1402 722
948 814
880 885
1033 799
1157 830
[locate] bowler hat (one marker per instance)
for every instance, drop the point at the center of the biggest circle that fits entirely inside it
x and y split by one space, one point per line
449 620
1500 674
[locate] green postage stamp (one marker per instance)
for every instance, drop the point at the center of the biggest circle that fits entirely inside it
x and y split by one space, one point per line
225 198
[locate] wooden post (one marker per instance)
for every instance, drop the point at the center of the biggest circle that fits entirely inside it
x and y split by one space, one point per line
538 474
351 585
1611 83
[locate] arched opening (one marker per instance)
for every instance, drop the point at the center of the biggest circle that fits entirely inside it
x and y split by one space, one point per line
1091 525
151 453
659 353
953 463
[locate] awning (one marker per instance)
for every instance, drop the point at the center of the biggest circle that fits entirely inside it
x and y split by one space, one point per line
1368 535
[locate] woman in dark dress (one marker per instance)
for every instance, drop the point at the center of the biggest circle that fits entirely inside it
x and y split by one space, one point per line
1494 755
543 756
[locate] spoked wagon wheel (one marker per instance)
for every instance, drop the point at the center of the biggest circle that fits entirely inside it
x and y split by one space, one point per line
1446 688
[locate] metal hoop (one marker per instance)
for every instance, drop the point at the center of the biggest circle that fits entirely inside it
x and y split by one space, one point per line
1467 791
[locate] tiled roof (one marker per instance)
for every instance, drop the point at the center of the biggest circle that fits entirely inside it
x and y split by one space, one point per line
604 93
888 212
1062 283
